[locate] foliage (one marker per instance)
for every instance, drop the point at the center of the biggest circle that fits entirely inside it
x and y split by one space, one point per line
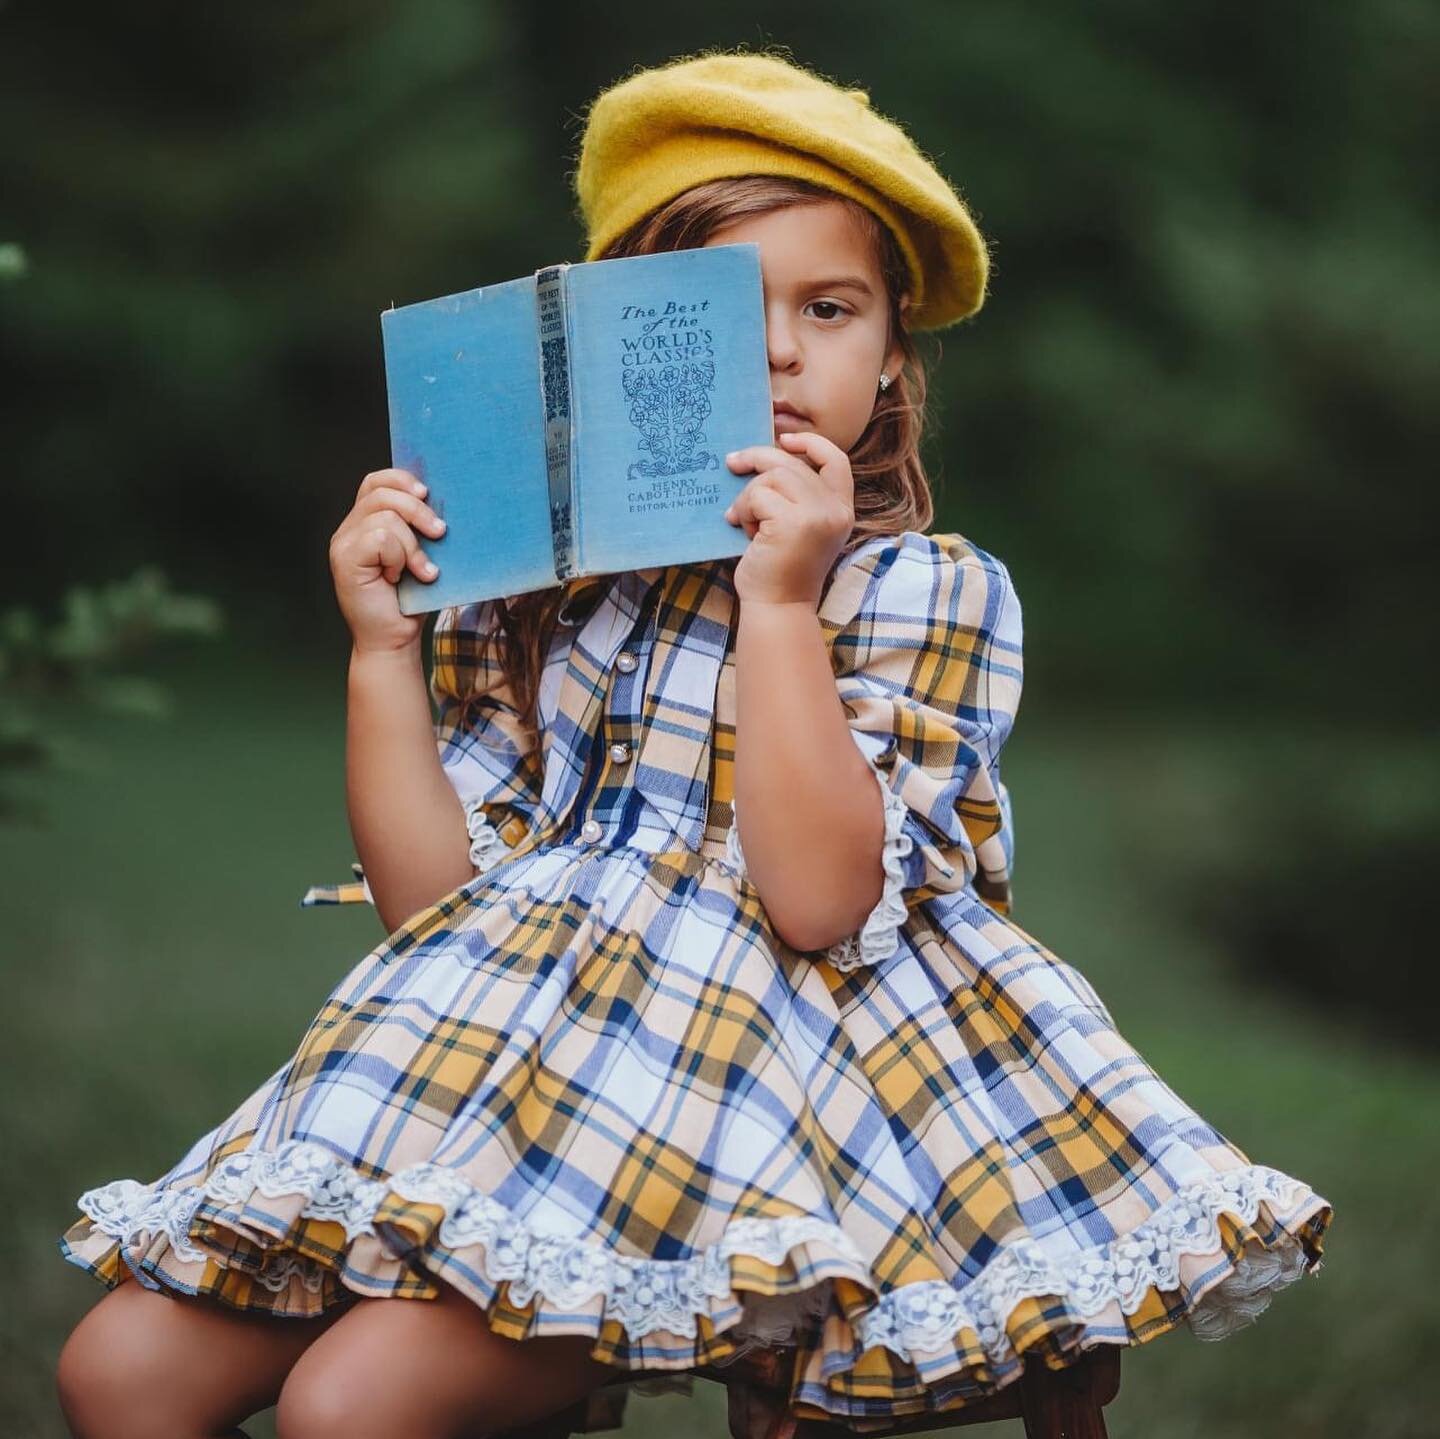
81 661
1187 417
1302 860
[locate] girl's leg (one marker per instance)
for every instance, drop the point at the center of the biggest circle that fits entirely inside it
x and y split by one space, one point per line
143 1363
430 1369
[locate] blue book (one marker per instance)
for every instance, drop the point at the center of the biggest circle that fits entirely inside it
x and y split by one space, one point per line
576 421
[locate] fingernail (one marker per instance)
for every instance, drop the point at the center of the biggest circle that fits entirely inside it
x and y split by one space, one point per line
429 567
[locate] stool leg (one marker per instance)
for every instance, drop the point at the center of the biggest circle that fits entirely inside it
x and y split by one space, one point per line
753 1415
1068 1403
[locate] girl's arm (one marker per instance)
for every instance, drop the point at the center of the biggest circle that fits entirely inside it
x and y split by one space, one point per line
917 685
810 816
405 816
406 819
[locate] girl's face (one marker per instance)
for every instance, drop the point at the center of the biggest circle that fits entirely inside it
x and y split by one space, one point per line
826 316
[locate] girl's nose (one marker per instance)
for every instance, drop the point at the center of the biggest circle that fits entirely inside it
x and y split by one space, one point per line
781 343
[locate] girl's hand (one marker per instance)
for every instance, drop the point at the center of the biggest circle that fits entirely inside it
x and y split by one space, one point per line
373 546
799 510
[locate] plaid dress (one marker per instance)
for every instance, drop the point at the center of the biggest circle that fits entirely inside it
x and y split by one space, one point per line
594 1091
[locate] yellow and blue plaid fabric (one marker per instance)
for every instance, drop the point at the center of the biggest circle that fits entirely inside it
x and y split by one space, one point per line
593 1091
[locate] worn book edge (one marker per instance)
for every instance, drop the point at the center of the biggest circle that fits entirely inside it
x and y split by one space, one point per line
553 319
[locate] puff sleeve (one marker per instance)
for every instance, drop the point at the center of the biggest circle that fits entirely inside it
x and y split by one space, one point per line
925 636
488 756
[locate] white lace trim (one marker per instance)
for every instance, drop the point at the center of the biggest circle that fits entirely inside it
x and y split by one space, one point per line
879 937
733 853
1245 1293
650 1294
487 849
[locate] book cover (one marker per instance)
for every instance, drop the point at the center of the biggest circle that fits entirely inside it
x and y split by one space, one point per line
575 421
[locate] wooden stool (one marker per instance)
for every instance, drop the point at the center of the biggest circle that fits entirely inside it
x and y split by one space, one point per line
1054 1404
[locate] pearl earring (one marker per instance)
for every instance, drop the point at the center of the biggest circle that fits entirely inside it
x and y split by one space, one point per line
884 383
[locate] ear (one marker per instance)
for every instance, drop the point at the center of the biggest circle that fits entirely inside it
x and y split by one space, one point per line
895 356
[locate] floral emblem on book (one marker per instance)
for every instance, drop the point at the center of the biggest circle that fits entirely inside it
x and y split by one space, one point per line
669 405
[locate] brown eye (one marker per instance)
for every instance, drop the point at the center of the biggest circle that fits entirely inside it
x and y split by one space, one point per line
829 305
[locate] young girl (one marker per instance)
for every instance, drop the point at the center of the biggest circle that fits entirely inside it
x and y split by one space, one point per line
701 1022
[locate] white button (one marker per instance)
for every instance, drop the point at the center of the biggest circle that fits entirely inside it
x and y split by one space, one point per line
620 753
625 661
591 830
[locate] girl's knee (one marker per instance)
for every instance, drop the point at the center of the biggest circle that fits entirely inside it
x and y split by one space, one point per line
429 1371
323 1406
106 1376
345 1394
148 1363
309 1411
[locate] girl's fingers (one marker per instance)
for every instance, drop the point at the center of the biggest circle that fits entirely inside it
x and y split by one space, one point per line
409 506
831 462
767 457
769 504
813 445
388 544
800 486
389 551
758 502
391 475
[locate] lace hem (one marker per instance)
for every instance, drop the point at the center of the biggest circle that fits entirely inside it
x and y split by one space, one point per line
879 937
647 1295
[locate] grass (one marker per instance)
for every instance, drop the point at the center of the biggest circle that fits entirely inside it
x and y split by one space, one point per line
157 967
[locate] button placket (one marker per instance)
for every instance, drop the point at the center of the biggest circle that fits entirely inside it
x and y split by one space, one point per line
626 662
626 720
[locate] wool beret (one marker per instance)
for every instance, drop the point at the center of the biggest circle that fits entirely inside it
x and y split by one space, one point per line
666 128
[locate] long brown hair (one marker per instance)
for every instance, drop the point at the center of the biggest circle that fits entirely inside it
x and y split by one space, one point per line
892 492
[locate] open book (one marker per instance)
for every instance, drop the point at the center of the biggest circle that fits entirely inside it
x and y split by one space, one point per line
576 421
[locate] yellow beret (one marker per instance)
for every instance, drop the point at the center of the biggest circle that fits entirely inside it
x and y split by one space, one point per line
664 129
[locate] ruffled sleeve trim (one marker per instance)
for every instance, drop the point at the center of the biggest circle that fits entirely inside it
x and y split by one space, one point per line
879 937
487 848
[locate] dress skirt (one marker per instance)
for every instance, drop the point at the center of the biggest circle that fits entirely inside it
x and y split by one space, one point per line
594 1092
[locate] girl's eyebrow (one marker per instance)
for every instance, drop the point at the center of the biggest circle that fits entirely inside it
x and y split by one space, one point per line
840 282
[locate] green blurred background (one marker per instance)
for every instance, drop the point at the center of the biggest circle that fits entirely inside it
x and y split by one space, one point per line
1192 418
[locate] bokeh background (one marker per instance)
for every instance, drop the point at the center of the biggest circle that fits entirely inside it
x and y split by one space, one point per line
1193 418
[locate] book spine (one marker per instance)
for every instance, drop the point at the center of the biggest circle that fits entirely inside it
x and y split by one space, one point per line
550 302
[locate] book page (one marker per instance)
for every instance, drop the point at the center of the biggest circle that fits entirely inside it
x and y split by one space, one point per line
669 372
